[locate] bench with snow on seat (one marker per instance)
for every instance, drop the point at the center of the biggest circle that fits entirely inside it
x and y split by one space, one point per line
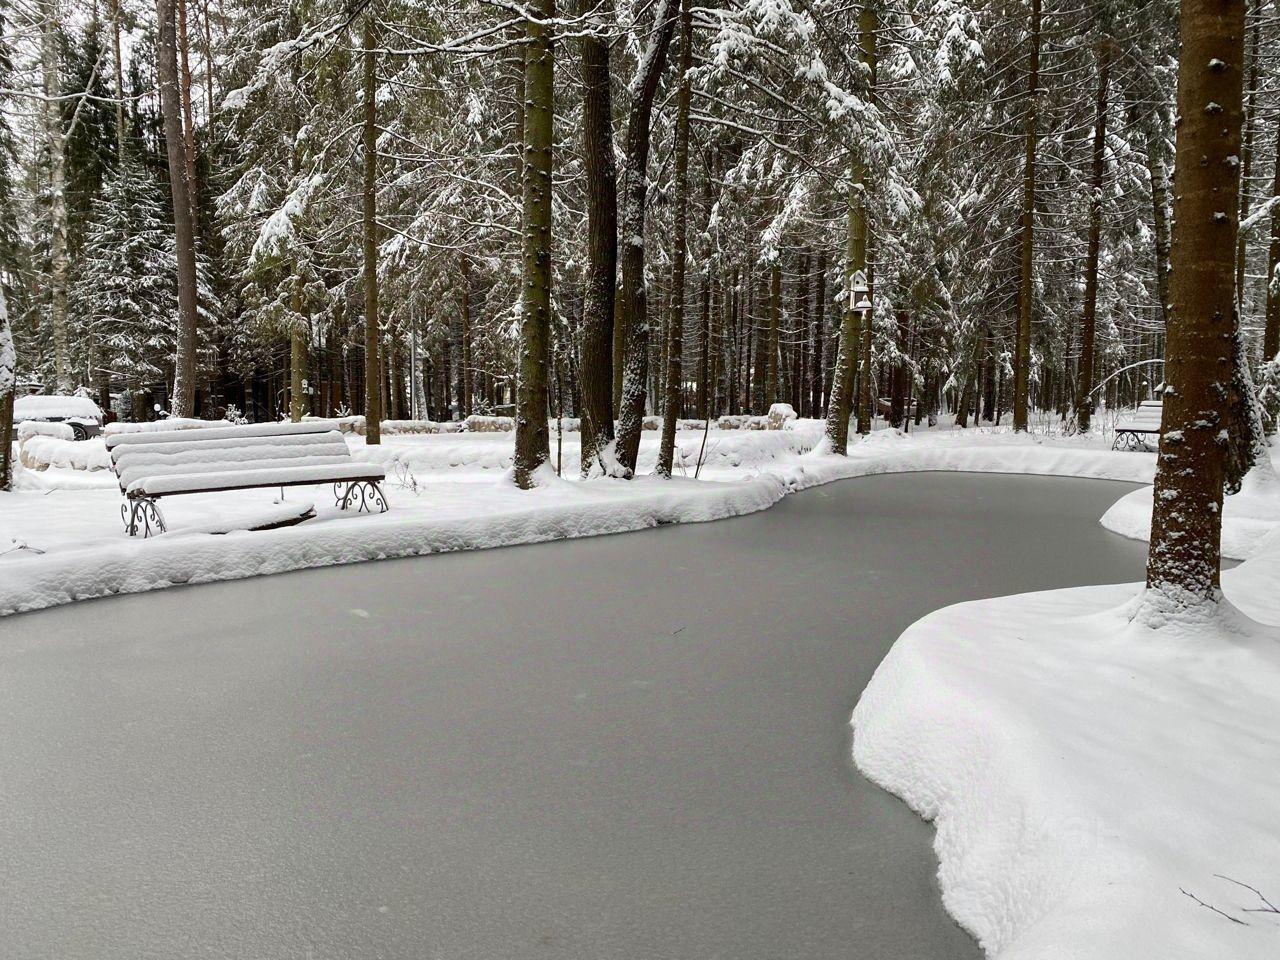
169 463
1132 431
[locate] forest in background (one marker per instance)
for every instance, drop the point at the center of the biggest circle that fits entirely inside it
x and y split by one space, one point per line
989 183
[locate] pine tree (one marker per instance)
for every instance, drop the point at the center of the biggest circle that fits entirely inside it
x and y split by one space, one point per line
125 293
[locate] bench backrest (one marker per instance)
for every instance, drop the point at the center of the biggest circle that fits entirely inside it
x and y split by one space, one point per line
1147 415
259 446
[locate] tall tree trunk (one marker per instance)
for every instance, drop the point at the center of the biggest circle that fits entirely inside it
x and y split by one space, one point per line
866 382
184 376
8 386
208 67
800 334
369 235
602 247
297 357
188 118
817 336
1271 333
897 376
842 386
1186 523
757 340
704 346
1246 148
635 181
675 330
118 64
1088 322
772 391
965 404
464 342
533 442
55 144
1022 355
1160 218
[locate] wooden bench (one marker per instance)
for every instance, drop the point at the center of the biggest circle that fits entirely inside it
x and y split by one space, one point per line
1132 431
168 463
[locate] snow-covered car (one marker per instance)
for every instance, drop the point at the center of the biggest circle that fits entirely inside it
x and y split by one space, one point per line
80 413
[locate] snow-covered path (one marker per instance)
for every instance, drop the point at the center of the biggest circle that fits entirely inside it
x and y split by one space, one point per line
627 747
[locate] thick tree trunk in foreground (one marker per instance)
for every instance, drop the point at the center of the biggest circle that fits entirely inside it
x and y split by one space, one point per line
1186 523
675 330
372 330
1088 323
184 376
1022 354
533 441
602 249
635 182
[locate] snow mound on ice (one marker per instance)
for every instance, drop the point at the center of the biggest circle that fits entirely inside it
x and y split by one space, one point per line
1248 517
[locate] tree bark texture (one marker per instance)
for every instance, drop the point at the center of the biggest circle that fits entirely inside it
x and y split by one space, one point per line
532 436
184 374
1186 527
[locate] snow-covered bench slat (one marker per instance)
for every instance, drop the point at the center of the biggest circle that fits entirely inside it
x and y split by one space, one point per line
229 432
146 462
1132 431
210 460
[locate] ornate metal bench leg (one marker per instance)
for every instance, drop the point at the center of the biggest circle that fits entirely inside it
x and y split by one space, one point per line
142 514
365 495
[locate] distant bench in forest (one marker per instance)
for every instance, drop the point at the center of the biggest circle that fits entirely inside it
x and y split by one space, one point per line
1132 431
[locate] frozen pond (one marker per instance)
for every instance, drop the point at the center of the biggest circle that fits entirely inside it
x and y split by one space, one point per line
624 747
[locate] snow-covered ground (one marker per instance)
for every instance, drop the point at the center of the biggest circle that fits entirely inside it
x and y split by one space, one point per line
1100 790
61 535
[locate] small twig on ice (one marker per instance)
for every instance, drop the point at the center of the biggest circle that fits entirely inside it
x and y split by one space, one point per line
1213 908
1269 908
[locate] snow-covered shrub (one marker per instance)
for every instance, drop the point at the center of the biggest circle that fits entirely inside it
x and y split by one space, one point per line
39 452
40 428
780 414
745 422
478 424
